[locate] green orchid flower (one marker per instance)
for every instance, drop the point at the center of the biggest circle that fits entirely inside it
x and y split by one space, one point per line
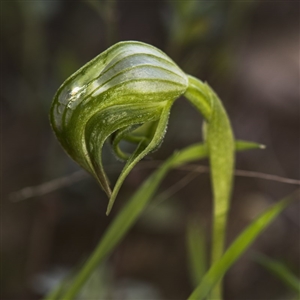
126 93
126 86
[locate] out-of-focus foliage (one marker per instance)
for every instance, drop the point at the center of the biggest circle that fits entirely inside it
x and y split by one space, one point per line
197 257
281 271
205 30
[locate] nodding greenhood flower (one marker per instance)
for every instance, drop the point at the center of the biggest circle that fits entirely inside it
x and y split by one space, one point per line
126 86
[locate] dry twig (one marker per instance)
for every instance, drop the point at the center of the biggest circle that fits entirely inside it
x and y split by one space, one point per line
55 184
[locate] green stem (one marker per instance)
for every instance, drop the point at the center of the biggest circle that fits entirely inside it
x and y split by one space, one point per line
218 242
220 144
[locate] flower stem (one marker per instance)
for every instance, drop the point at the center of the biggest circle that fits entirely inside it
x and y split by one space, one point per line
220 142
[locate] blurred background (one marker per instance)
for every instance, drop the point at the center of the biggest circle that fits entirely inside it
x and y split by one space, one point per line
248 51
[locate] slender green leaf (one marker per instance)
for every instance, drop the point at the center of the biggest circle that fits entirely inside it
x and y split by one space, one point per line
237 248
279 270
244 145
221 153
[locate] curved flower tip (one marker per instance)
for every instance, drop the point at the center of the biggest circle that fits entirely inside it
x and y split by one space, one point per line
129 84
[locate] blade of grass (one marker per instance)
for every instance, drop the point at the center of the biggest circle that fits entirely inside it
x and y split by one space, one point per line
237 248
245 145
280 271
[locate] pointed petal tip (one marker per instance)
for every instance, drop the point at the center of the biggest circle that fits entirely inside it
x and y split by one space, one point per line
108 192
104 185
109 207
